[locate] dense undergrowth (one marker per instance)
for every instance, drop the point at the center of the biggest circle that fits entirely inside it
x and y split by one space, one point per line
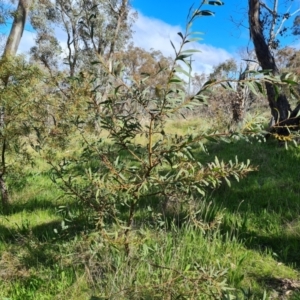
243 241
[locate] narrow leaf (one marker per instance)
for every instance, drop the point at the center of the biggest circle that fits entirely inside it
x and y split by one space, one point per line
227 181
204 13
181 35
216 2
173 47
180 70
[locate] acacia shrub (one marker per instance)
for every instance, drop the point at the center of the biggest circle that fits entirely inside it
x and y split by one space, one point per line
115 174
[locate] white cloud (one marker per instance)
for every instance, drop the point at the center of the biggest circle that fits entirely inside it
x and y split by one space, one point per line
153 33
27 42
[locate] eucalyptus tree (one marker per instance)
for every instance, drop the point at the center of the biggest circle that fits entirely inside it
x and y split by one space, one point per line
288 59
80 38
10 50
239 98
266 23
88 29
135 61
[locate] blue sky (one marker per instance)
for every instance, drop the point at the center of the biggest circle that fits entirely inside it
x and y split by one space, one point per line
225 35
159 21
218 30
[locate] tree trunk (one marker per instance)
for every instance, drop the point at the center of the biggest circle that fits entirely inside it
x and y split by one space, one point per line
280 107
17 28
10 50
243 98
238 101
4 194
279 104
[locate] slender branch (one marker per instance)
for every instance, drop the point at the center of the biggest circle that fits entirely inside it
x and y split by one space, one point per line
129 224
272 27
122 15
3 162
150 141
267 8
283 21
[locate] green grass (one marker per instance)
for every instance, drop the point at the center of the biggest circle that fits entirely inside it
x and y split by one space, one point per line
267 202
252 246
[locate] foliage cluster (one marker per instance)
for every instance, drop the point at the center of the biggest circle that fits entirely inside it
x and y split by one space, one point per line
115 174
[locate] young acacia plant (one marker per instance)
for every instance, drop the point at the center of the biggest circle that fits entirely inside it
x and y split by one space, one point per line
130 160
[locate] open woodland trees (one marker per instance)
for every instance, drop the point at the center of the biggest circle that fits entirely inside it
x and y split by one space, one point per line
91 28
130 193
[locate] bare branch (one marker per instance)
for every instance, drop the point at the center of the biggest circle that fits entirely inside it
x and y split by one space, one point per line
283 21
267 8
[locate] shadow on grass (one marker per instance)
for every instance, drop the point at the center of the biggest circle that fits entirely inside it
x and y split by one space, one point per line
283 288
284 248
260 207
51 231
8 234
31 206
39 203
43 232
274 186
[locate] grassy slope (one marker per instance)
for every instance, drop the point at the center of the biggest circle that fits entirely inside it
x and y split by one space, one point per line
256 243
